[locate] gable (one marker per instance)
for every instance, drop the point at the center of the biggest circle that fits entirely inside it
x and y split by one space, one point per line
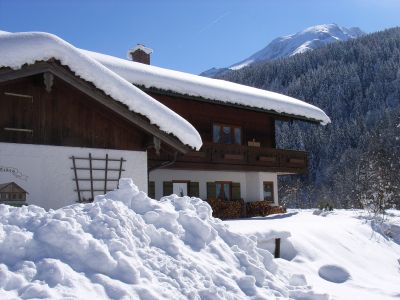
11 187
104 122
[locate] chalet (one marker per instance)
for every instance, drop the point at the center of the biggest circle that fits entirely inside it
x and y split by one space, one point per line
72 122
70 128
239 160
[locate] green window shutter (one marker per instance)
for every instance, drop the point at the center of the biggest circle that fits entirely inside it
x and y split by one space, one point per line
211 192
167 188
194 189
236 191
152 190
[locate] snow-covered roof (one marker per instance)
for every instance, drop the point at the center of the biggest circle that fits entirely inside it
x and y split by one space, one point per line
208 88
18 49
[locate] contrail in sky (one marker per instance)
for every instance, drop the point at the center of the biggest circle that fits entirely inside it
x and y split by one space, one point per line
212 23
206 27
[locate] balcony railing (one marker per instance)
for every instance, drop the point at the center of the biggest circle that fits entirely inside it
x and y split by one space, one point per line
239 157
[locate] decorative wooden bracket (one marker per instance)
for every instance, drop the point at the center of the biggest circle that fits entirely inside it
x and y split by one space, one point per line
48 81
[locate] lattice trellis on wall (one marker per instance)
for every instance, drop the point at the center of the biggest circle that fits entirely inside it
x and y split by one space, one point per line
95 175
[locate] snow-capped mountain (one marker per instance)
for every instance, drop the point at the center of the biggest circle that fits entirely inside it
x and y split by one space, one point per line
309 39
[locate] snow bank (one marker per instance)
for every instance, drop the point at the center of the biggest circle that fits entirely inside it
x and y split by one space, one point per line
18 49
348 254
208 88
126 245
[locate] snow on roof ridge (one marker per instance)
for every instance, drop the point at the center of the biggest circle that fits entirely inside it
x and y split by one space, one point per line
17 49
209 88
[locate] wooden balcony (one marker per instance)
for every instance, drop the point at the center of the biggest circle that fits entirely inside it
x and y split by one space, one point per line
237 158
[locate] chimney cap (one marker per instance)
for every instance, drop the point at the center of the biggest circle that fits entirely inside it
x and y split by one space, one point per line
142 48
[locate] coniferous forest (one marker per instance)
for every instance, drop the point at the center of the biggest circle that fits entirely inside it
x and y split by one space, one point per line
355 161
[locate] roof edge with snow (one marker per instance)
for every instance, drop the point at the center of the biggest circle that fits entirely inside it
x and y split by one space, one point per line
225 92
231 104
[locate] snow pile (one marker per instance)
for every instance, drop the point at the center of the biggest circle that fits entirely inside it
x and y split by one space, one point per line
18 49
388 224
128 246
207 88
347 254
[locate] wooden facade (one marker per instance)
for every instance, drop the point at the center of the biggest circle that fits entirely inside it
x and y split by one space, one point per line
259 126
256 151
64 116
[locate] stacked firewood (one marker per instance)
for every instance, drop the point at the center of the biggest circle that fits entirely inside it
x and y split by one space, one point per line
225 209
262 208
277 210
238 209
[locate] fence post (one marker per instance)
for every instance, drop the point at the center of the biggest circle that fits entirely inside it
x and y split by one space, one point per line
277 248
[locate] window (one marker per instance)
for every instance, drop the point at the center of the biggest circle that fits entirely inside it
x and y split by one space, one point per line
269 191
223 190
238 135
180 188
216 134
227 134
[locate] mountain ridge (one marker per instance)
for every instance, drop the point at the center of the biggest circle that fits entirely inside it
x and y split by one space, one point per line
308 39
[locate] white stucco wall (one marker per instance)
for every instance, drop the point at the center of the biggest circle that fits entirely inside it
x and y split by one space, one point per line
253 187
45 171
251 183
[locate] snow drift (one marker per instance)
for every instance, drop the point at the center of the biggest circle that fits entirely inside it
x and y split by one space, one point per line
128 246
349 254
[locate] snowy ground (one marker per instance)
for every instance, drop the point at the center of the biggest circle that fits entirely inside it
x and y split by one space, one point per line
128 246
344 253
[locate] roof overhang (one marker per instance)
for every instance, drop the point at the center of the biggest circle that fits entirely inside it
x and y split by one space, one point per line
278 115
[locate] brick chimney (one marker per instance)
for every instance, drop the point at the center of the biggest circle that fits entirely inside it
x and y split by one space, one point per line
140 54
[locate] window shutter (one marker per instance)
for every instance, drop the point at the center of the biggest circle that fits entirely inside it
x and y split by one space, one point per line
194 189
167 188
211 193
235 191
152 190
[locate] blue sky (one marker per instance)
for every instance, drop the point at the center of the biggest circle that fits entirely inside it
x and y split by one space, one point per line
190 36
